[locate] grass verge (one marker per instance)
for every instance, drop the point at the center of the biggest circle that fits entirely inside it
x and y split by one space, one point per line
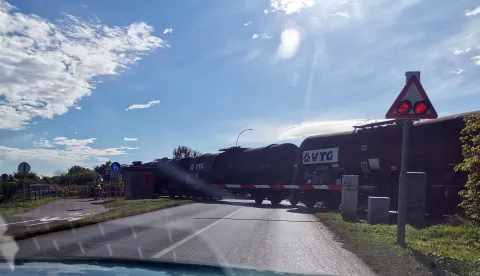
116 209
18 207
442 249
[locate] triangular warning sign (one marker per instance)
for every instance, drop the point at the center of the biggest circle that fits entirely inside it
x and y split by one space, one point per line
416 101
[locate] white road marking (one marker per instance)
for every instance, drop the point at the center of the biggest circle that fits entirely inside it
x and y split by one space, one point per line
72 217
18 222
45 222
193 235
36 244
81 247
56 245
101 230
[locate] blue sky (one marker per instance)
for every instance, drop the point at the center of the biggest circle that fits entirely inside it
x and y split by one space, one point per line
82 82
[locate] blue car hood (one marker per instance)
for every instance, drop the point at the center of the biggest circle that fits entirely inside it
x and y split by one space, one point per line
102 266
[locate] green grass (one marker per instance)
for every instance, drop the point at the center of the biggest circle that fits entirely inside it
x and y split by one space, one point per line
116 209
438 248
18 207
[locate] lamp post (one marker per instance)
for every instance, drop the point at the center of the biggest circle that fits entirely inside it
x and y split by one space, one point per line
236 143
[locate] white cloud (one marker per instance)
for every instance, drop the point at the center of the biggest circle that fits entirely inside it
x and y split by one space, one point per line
141 106
247 23
271 132
290 41
261 36
126 139
476 59
74 152
72 51
168 31
27 137
473 12
457 71
77 107
461 51
343 14
289 6
42 143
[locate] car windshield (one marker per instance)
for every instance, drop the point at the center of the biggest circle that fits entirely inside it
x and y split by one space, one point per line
335 137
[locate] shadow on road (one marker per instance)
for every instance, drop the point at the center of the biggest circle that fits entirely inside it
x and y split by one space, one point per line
263 219
248 204
300 209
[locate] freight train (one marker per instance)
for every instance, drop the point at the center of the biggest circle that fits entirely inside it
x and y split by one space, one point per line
312 172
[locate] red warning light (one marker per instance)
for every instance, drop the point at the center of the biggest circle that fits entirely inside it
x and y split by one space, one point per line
420 108
404 107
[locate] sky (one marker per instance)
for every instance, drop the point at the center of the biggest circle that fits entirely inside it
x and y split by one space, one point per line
83 82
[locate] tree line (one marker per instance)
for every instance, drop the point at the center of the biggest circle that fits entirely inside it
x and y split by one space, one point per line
78 175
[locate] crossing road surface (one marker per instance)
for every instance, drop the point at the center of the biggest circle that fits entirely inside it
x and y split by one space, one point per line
231 232
56 212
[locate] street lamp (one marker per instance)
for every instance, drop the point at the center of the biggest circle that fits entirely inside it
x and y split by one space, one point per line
241 134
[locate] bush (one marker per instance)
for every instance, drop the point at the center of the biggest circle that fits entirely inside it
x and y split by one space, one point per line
470 137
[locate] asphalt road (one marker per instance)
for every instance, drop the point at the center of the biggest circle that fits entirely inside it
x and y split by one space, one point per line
232 232
59 211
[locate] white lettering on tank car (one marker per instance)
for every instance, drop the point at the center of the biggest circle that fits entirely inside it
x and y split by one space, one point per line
364 167
320 156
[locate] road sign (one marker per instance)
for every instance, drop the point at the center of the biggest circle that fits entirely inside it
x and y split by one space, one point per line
108 171
115 166
23 168
114 174
412 102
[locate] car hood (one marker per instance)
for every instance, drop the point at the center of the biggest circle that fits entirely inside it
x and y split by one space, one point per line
115 266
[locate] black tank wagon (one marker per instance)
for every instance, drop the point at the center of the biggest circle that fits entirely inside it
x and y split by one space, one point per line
374 153
264 173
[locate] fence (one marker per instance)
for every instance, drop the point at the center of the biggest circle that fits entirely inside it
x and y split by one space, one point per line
86 191
38 191
14 192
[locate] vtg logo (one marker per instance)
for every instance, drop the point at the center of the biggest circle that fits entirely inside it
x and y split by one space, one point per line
320 156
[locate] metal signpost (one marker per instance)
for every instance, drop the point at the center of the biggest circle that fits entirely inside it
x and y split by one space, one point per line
115 167
411 104
23 168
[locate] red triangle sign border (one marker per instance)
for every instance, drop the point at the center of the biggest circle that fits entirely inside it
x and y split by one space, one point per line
392 114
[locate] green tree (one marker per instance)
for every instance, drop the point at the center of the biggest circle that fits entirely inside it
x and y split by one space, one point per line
80 176
47 179
184 151
470 137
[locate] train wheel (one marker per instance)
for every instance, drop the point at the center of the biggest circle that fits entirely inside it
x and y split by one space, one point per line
258 200
331 204
275 201
219 198
310 204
